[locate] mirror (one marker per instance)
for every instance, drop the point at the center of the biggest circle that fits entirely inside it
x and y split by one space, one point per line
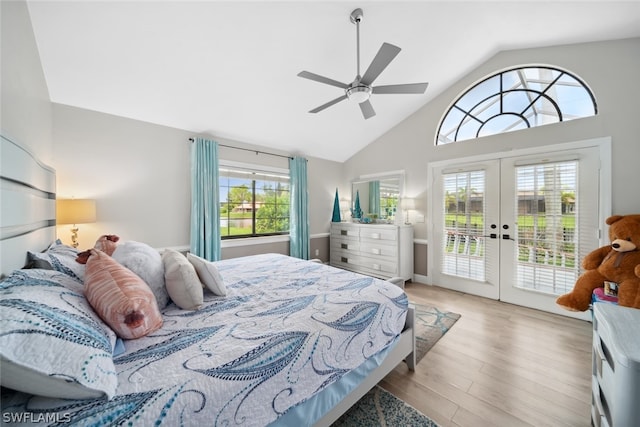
378 196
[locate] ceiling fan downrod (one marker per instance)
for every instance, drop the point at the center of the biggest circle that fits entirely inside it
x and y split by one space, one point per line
356 18
357 92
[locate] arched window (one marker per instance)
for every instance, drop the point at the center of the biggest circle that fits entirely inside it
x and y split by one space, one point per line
515 99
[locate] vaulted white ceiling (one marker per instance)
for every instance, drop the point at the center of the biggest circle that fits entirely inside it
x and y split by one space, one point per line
229 69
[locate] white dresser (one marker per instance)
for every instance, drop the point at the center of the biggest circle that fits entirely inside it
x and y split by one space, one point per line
615 399
379 250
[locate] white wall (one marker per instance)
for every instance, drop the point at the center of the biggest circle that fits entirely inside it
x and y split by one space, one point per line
139 173
25 109
611 69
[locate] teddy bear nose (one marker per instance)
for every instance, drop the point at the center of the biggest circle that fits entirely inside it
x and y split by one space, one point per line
616 245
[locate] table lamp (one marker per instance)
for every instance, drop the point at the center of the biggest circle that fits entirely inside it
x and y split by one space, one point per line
408 205
75 211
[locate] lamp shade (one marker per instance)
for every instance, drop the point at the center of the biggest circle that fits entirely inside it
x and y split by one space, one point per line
75 211
408 204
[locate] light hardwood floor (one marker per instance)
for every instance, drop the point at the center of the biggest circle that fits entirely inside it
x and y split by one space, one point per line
500 365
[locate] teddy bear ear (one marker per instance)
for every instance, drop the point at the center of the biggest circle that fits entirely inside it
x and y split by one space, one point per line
613 219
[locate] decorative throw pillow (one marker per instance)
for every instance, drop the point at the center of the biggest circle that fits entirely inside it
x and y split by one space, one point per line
140 258
121 298
59 257
52 343
183 285
146 262
208 274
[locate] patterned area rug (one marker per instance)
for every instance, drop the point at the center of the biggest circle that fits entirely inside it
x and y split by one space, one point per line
431 325
380 408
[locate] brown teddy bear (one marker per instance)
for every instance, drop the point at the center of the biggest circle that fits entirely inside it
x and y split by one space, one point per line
618 262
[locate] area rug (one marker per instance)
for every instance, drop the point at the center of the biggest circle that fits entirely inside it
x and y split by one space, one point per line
431 324
380 408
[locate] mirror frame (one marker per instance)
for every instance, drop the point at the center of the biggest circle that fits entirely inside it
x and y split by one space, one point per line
399 175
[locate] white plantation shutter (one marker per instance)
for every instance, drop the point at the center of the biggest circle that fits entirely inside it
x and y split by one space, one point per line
547 208
464 222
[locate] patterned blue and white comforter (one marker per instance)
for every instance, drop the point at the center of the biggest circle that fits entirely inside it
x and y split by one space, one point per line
286 330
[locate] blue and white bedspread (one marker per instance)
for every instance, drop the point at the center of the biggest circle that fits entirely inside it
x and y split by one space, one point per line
286 330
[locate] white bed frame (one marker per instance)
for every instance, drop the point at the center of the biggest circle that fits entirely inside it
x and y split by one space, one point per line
27 223
27 205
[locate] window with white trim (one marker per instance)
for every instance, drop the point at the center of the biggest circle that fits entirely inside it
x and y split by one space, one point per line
515 99
254 200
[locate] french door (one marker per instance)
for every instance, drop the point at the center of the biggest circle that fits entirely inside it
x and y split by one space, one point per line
515 228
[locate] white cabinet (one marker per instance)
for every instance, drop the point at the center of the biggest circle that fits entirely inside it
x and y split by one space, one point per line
379 250
616 366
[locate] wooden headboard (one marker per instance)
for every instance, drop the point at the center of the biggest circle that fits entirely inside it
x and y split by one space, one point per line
27 205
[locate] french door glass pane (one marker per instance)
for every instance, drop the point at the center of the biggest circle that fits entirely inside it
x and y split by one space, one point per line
464 215
547 224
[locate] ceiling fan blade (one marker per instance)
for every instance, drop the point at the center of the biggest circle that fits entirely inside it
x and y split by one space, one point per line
384 56
367 109
328 104
416 88
322 79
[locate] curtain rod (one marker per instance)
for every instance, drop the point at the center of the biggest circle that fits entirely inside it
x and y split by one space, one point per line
248 149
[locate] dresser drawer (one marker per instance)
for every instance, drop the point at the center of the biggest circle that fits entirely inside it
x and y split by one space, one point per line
378 266
603 368
344 230
345 260
599 407
375 233
378 249
345 245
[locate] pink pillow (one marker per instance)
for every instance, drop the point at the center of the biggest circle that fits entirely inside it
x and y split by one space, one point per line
120 297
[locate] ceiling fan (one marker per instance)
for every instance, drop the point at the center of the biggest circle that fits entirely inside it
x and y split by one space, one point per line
360 89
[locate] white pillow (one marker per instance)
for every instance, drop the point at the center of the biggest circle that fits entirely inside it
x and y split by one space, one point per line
51 341
181 279
146 262
208 274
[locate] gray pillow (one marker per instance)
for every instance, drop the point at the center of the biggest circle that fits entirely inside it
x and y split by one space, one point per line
58 257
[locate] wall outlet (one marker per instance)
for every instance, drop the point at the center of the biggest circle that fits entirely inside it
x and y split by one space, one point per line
317 252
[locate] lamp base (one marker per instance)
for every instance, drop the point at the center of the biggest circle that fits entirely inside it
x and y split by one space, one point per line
406 221
74 236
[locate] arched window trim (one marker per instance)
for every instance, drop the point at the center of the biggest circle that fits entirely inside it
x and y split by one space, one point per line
501 94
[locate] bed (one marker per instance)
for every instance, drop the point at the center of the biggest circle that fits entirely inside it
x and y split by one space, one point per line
291 343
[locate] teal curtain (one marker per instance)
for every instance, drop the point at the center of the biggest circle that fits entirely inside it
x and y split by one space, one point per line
299 212
374 197
205 200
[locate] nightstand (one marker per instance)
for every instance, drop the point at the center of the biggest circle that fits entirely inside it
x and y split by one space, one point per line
615 384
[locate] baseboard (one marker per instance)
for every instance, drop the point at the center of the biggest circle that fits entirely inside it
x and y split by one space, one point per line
419 278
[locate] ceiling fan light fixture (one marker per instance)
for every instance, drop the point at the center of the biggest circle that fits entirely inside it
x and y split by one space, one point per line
360 90
359 93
